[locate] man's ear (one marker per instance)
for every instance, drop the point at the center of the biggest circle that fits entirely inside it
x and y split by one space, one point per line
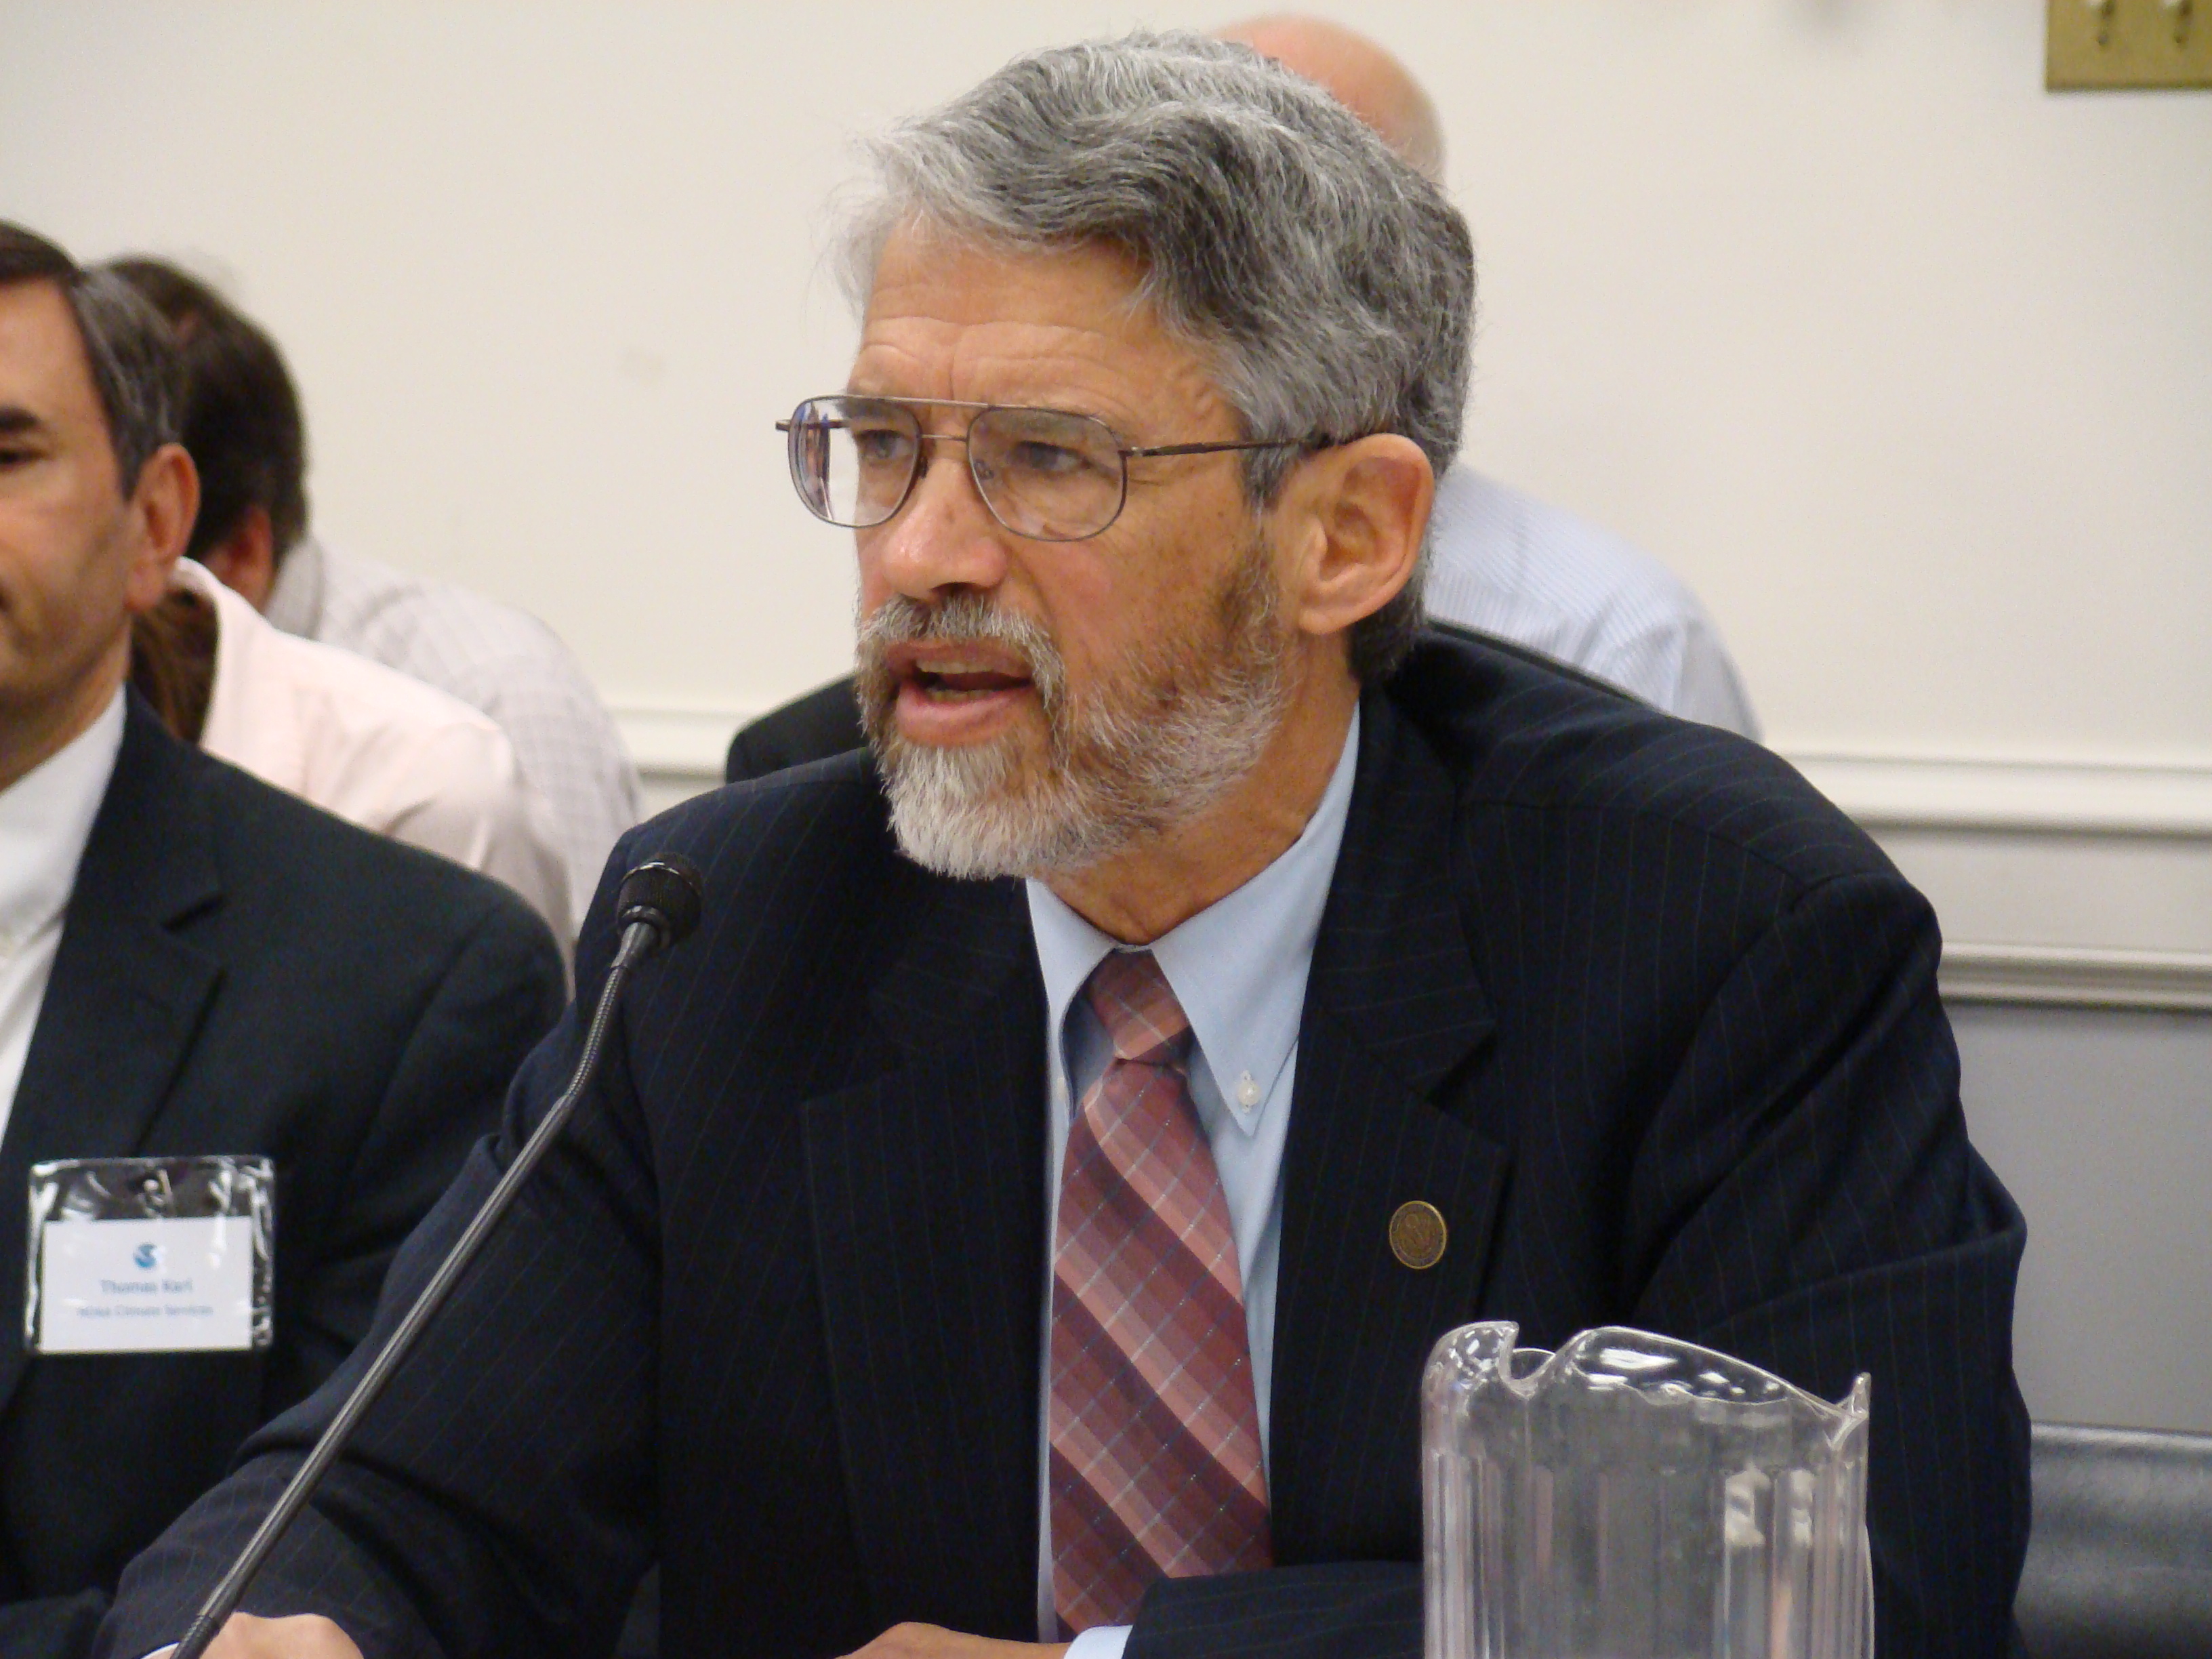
244 561
1358 512
161 512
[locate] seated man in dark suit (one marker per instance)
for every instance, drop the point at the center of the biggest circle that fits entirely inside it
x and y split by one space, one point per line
982 1237
191 963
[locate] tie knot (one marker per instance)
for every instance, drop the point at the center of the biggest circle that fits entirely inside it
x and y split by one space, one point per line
1142 1017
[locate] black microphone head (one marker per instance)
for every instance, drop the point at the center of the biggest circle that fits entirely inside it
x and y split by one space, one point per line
662 892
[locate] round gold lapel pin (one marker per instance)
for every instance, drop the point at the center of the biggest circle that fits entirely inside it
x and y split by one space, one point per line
1417 1235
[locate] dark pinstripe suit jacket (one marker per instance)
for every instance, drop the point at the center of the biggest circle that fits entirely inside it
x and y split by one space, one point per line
240 972
1650 1022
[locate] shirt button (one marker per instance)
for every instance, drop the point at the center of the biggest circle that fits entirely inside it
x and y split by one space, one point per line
1247 1091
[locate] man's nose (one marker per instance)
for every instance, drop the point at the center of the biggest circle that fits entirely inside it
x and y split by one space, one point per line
944 537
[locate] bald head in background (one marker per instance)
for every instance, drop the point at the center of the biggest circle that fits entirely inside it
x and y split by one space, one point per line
1501 563
1358 74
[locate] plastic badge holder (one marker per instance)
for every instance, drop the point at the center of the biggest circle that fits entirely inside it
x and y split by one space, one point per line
1633 1496
150 1255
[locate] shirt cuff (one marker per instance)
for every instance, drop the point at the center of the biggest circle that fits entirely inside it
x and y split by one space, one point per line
1100 1642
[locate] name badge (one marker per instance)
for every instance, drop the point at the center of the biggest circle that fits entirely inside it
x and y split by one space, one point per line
150 1255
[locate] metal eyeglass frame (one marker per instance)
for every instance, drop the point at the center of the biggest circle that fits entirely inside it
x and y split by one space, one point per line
1127 451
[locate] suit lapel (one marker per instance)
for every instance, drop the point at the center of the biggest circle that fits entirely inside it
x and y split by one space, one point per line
126 994
927 1195
1393 1010
928 1188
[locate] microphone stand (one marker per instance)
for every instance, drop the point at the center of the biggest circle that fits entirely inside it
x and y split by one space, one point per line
640 939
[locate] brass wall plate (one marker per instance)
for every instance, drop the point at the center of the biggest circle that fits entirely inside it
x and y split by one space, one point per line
2107 45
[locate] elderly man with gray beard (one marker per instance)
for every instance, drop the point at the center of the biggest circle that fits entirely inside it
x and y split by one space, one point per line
1018 1221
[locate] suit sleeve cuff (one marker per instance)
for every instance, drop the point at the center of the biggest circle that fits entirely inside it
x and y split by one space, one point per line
1100 1642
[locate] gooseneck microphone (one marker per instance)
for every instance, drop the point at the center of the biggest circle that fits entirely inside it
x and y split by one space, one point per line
657 906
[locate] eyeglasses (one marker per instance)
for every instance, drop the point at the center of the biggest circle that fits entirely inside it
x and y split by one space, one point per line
1048 474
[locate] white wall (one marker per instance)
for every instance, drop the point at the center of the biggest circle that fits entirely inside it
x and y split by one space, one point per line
1906 364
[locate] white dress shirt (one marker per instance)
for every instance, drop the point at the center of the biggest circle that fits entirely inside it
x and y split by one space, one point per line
378 749
45 820
1238 968
501 661
1510 565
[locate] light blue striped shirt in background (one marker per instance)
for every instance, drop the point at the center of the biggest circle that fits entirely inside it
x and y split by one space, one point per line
1505 564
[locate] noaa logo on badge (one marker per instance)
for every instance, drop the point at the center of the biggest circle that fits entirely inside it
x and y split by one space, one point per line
147 1256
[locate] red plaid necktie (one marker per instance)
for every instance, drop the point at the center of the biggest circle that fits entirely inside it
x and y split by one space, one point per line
1156 1470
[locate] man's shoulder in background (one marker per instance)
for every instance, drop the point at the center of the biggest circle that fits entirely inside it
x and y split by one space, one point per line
1505 564
498 660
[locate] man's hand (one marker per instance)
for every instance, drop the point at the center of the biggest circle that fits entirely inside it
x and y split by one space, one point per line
899 1642
309 1636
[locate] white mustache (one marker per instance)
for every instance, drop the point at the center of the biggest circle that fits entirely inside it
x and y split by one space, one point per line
964 619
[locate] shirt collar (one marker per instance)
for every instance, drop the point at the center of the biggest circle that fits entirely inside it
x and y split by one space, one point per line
45 820
295 598
1238 967
246 723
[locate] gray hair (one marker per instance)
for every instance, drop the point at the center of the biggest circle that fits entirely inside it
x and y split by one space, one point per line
1328 284
127 347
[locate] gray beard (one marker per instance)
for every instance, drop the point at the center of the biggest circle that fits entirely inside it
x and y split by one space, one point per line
1154 748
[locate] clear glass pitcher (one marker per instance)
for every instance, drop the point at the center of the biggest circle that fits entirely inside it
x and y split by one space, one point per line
1633 1496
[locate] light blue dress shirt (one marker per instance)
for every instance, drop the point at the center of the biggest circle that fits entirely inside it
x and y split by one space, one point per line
1238 968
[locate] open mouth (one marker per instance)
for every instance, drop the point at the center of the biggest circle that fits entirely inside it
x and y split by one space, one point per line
957 694
963 684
